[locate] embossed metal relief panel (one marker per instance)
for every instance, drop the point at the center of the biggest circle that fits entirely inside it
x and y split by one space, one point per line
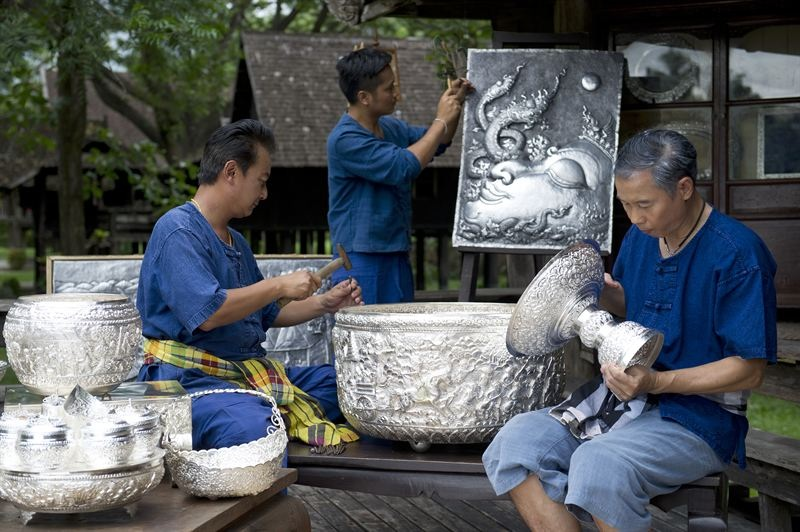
540 139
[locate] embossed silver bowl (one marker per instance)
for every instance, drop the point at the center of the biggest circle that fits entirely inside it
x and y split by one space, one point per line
236 471
81 491
55 341
561 303
436 372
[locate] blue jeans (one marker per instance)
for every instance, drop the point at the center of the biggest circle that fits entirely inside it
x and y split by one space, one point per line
612 477
225 420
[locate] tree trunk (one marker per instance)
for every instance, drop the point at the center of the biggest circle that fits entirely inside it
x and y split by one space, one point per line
70 137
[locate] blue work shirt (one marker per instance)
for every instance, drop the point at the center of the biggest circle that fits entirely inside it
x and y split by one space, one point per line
185 275
369 185
714 299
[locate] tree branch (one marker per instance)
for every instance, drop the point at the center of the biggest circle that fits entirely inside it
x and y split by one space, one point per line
117 102
322 14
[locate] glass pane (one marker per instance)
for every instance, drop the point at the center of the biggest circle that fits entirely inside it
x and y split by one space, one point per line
667 67
694 123
765 63
764 142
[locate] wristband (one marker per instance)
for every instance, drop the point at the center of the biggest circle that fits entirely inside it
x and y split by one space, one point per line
437 119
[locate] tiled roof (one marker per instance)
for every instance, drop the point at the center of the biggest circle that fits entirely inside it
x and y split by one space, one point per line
294 84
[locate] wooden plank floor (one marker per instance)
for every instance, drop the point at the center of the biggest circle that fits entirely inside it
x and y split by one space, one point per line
346 511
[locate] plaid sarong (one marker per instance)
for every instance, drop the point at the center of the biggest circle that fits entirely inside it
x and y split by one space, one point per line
305 418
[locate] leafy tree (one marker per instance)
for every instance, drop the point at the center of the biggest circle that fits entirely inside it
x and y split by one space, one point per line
179 59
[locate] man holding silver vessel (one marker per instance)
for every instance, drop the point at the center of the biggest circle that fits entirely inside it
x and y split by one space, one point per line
707 282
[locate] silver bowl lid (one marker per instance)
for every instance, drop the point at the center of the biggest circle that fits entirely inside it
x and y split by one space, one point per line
106 428
12 423
139 418
43 430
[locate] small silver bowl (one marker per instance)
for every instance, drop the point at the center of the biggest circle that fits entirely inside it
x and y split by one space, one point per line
236 471
44 444
106 443
10 425
146 431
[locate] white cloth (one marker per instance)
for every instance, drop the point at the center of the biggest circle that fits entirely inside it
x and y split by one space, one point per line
593 409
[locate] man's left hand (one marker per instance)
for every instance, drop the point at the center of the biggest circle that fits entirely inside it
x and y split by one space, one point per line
627 384
345 294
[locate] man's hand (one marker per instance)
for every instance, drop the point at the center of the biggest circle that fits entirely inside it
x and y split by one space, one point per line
612 298
299 285
627 384
345 294
452 101
462 86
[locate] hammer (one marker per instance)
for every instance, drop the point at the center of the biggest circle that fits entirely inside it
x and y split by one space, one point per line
326 271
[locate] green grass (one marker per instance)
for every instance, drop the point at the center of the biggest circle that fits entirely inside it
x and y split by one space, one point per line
774 415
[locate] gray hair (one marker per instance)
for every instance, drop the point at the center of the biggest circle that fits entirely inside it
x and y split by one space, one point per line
667 154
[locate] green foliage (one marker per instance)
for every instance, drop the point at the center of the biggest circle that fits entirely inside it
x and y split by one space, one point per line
16 258
162 186
774 415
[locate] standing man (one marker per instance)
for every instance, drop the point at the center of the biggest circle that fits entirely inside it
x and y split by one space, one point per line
373 159
707 282
205 306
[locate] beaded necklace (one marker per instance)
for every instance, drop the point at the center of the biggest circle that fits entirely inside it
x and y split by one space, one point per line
671 252
197 205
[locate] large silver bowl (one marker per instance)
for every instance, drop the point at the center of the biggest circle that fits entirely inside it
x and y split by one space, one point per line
55 341
436 372
81 491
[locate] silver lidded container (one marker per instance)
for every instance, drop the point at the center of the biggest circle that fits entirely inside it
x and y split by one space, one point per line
106 442
146 426
44 444
55 341
10 425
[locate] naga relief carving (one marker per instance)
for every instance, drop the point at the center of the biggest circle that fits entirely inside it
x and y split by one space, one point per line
540 136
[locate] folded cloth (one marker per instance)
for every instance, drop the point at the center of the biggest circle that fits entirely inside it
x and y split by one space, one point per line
593 409
305 417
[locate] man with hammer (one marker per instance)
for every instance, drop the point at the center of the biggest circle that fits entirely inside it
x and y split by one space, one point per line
373 160
205 306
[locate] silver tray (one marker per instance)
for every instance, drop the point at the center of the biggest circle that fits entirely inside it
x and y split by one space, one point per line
81 491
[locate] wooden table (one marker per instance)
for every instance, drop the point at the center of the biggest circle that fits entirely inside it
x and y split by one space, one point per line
168 508
385 467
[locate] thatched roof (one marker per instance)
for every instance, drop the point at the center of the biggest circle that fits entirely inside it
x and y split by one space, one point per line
294 86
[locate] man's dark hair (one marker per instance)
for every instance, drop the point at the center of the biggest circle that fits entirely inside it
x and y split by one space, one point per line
237 141
358 71
666 153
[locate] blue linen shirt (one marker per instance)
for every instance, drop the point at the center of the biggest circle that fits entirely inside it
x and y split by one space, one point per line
369 184
185 275
714 299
